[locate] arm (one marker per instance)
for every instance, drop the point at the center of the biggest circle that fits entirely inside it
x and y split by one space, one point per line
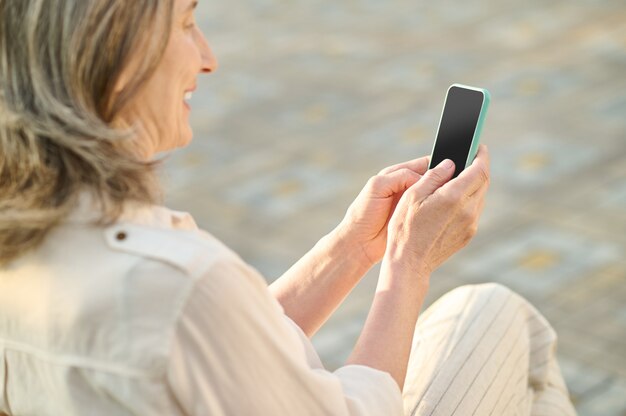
386 339
312 289
317 284
233 353
433 220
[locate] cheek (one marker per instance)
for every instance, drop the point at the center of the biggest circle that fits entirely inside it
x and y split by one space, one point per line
165 112
177 73
184 124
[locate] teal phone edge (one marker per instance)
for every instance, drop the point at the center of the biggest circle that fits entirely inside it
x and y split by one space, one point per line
471 155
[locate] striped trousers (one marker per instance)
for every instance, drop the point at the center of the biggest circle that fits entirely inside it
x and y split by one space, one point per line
483 350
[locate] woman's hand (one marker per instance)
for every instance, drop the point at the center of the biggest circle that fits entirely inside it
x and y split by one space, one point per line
436 217
366 220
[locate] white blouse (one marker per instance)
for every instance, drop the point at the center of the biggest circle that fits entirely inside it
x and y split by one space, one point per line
153 316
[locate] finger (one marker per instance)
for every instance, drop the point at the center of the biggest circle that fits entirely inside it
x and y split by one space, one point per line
419 165
383 186
434 179
475 176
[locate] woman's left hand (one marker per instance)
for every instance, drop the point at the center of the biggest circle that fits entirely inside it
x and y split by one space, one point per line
365 223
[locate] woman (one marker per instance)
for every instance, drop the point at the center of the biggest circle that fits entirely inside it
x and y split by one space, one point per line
112 304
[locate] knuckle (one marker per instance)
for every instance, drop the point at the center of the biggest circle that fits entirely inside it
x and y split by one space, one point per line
375 181
444 199
451 205
473 229
449 199
483 173
468 217
411 194
436 176
410 173
458 195
454 197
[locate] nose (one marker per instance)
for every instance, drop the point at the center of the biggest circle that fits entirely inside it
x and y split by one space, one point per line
209 62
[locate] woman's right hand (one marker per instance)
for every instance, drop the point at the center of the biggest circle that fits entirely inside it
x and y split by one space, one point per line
435 218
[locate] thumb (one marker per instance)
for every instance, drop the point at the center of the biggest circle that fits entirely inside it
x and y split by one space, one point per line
434 179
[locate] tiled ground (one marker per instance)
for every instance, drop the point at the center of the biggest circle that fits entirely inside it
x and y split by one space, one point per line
314 96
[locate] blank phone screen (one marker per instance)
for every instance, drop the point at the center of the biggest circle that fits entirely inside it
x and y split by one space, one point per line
457 127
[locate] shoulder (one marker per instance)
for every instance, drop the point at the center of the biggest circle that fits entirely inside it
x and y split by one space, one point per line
193 252
155 240
172 237
141 231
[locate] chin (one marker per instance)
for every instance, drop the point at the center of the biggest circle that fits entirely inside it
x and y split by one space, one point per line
182 141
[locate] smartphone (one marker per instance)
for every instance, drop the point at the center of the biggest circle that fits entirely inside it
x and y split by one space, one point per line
458 134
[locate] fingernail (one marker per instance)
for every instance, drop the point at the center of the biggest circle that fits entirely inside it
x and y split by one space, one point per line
447 164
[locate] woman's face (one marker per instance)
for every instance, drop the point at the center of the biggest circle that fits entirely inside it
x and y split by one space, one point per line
160 109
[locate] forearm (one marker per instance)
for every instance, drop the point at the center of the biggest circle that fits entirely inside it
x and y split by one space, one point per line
386 339
314 287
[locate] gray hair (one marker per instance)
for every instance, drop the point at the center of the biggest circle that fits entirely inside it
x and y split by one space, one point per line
59 63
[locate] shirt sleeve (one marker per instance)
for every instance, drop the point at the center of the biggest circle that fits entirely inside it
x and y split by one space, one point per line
234 352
